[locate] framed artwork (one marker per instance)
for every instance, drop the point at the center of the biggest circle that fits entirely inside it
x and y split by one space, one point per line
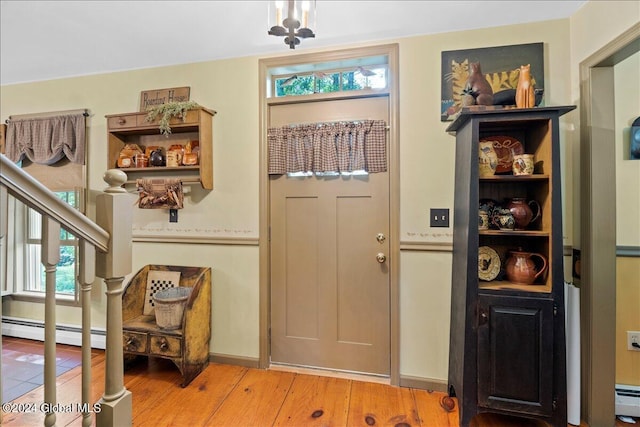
634 140
576 266
501 67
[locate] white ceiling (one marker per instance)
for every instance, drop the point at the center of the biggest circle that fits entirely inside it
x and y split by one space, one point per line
43 40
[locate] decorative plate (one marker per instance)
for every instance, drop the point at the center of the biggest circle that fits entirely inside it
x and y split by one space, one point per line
488 263
505 147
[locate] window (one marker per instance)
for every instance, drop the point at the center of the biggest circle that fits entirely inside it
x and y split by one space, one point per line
338 76
66 272
58 161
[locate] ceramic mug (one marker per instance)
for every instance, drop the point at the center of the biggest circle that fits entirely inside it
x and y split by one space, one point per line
483 220
174 159
522 164
503 219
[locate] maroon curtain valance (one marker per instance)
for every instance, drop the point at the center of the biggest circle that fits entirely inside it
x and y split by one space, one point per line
46 140
328 147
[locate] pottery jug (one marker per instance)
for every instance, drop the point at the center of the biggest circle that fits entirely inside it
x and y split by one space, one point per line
487 159
156 158
522 212
520 267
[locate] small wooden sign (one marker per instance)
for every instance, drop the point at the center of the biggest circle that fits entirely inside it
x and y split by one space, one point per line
155 97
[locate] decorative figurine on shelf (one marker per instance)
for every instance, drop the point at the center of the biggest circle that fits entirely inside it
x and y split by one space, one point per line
478 85
126 158
525 94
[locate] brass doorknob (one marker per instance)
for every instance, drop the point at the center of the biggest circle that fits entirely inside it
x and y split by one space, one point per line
381 257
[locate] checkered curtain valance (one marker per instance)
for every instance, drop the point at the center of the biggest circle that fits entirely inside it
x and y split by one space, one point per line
328 147
47 140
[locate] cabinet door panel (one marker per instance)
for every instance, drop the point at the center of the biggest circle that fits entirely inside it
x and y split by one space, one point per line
515 354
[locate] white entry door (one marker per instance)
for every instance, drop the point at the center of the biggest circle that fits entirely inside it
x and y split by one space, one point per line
329 256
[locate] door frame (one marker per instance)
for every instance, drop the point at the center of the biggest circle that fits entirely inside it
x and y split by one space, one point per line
597 231
391 51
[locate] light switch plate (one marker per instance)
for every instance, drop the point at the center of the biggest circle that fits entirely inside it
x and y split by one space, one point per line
173 215
439 217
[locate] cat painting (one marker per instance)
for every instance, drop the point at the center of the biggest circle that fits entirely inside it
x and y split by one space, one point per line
500 69
459 75
458 78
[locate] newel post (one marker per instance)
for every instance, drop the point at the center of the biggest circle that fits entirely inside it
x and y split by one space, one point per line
114 211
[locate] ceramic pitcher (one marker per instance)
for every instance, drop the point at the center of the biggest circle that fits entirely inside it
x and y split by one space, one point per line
520 267
522 211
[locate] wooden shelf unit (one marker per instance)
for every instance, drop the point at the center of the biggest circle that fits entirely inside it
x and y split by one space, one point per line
507 342
126 128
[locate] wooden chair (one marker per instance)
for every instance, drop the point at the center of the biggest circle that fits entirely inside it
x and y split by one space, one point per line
187 346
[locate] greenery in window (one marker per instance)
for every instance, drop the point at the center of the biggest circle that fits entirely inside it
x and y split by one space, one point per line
326 82
296 85
66 268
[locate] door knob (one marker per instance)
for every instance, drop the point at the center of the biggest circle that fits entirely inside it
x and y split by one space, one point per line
381 257
380 238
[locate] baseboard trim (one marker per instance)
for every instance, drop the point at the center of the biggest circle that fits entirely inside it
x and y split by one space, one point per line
65 334
226 359
428 384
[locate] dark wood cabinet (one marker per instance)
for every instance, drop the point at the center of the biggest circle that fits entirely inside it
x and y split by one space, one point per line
507 342
515 354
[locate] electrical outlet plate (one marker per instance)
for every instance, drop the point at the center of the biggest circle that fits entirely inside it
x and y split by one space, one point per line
439 217
633 337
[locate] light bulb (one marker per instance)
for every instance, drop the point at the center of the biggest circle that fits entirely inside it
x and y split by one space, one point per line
278 12
305 14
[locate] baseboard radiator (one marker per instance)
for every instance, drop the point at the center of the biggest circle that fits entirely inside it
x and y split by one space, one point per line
628 400
65 334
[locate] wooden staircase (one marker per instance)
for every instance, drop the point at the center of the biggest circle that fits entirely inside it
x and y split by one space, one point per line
104 251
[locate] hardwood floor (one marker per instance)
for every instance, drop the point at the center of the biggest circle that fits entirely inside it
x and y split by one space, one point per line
22 365
226 395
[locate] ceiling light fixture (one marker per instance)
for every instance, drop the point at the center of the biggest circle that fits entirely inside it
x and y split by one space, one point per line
300 15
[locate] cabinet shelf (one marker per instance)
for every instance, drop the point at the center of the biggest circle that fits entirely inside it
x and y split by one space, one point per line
515 178
503 285
133 128
152 169
520 233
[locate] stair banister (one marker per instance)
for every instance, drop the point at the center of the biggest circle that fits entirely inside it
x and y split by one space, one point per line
114 212
104 251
